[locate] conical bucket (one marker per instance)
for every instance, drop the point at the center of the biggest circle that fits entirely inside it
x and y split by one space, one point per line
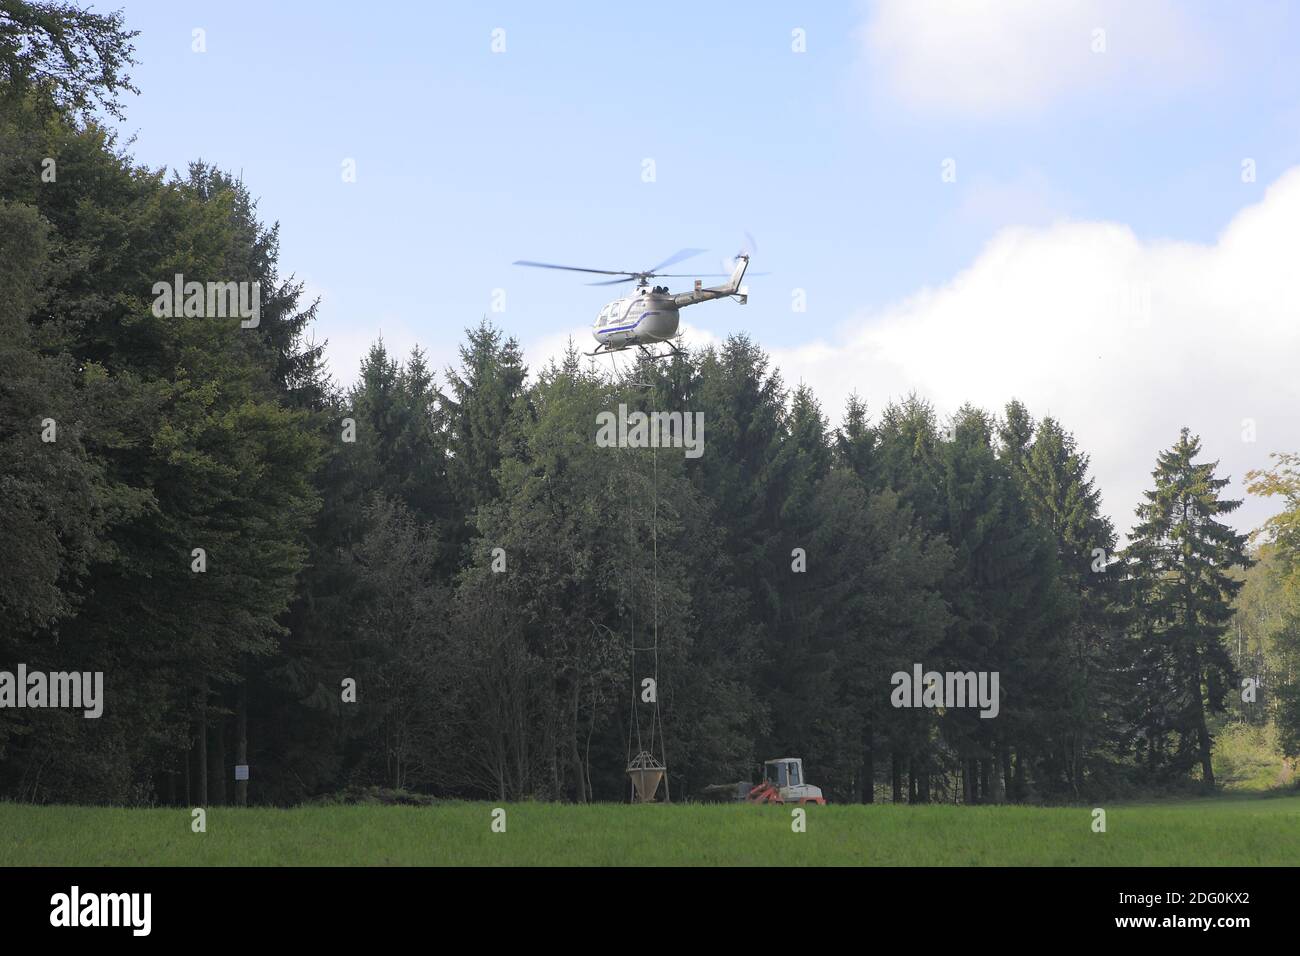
645 773
646 783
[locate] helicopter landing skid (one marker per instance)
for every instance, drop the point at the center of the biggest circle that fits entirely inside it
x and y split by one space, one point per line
645 350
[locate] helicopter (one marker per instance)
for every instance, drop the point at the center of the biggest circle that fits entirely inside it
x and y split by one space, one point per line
650 316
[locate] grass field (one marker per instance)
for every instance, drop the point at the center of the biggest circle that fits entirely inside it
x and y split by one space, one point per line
1222 831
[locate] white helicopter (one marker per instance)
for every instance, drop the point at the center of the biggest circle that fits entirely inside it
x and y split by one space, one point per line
650 316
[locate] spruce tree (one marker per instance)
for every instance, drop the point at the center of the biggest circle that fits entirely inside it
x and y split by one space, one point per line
855 440
1008 608
477 405
1179 560
1063 500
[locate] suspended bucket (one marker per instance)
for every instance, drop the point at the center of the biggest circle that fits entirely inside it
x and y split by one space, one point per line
646 773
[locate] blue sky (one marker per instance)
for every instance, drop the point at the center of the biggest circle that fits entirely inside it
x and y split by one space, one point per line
831 158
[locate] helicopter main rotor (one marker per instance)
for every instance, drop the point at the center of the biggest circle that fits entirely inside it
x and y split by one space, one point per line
640 277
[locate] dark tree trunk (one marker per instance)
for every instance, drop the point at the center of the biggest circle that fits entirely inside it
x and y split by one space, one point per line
1207 765
868 766
896 773
1079 750
1203 740
575 752
218 767
203 747
241 743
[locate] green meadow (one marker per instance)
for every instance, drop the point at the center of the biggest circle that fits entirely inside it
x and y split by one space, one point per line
1244 830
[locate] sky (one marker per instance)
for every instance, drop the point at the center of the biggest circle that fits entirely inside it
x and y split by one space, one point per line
1093 207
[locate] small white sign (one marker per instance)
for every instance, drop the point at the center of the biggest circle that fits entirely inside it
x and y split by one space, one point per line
241 771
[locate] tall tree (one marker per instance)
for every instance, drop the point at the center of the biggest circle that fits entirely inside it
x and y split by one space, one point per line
874 607
855 440
1281 535
1180 558
478 405
76 58
1008 608
183 417
1062 498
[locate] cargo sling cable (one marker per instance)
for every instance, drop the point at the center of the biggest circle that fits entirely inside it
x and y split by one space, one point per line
643 770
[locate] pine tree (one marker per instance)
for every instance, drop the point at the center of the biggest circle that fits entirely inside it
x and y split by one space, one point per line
479 404
906 457
855 440
1008 607
1179 559
874 606
905 460
1063 499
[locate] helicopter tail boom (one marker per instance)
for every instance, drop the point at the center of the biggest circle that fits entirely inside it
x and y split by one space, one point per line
731 287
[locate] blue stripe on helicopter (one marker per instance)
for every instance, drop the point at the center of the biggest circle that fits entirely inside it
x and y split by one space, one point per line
626 328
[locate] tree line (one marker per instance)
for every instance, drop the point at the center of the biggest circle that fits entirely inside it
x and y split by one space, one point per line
433 582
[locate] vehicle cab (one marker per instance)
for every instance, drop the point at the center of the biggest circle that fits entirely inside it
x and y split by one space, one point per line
786 775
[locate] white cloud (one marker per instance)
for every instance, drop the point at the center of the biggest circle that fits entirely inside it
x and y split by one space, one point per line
1123 340
992 57
1027 200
